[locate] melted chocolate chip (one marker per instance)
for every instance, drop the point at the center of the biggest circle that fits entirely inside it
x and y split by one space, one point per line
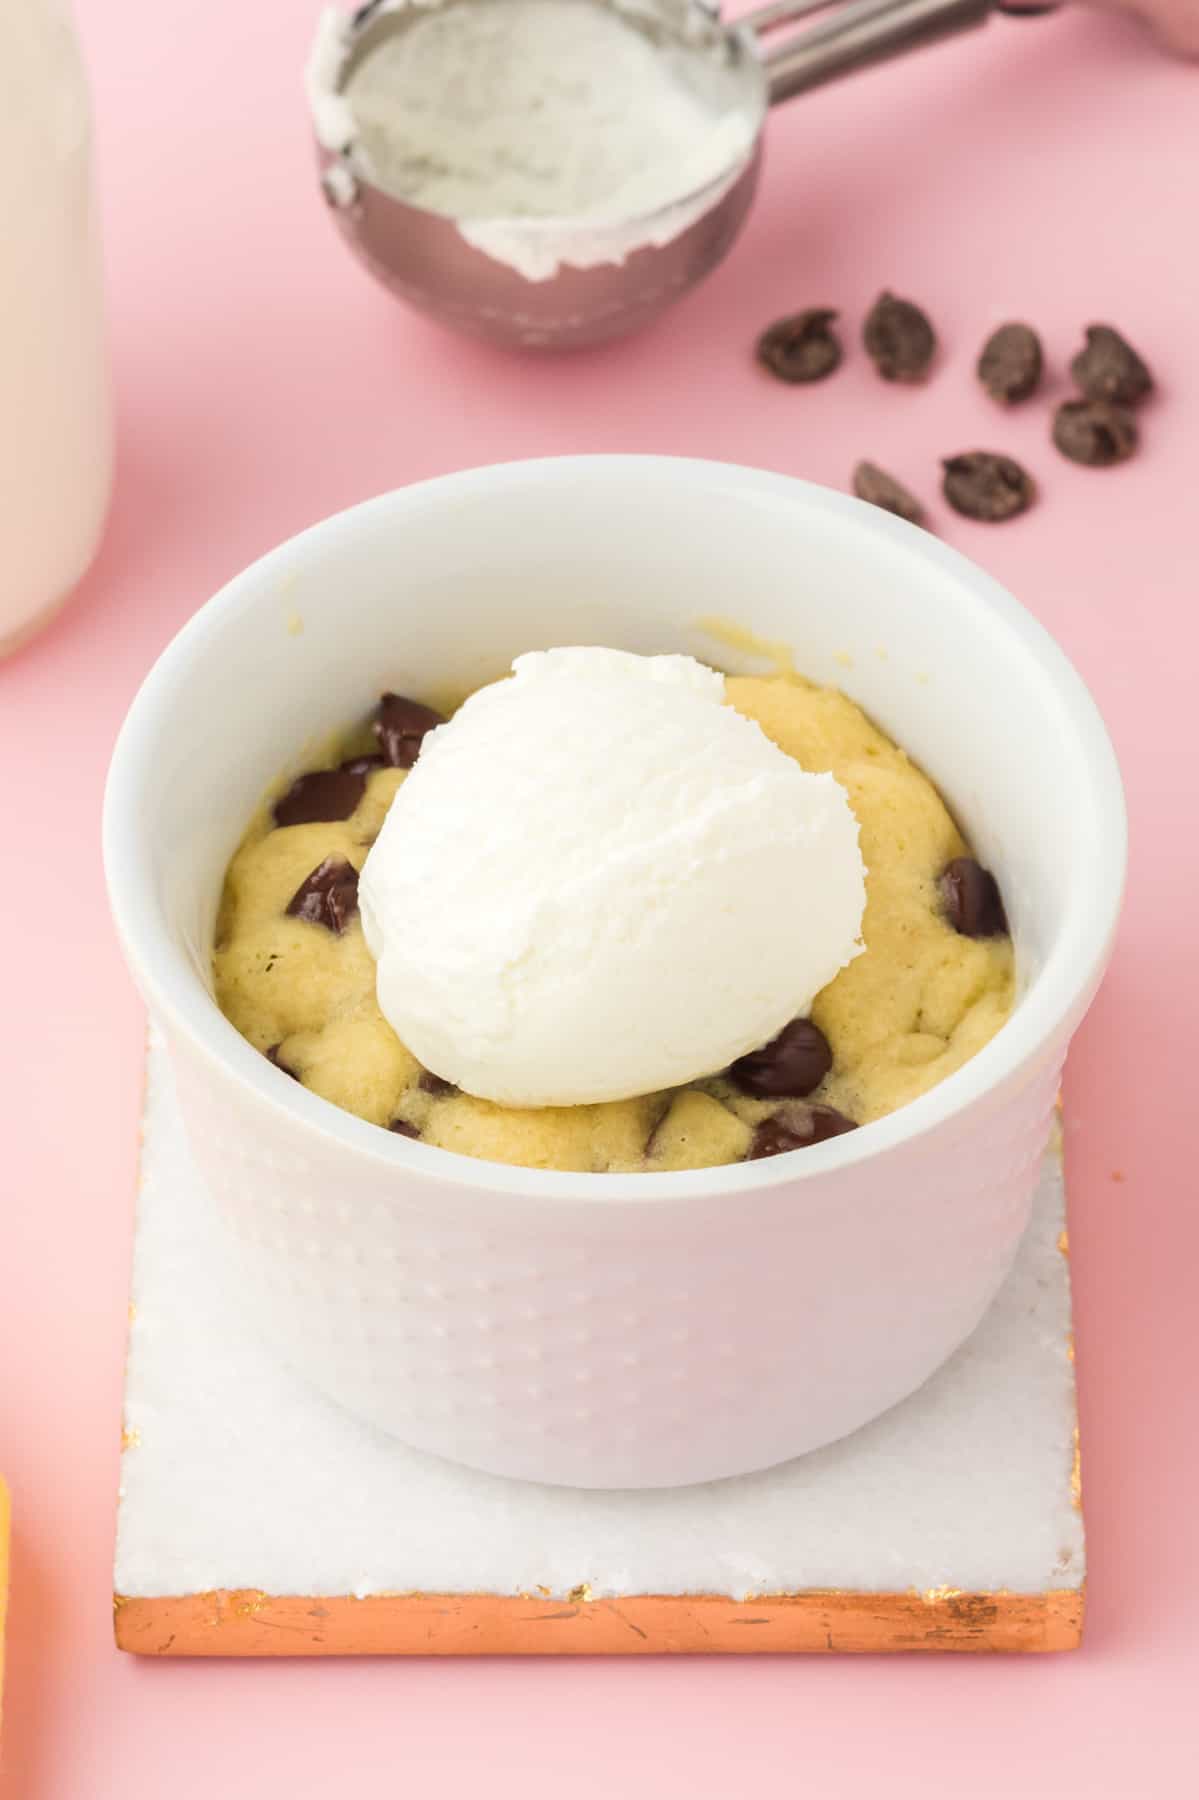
403 1128
1110 369
272 1056
433 1084
801 347
325 794
1009 366
328 897
662 1114
971 899
899 339
796 1129
790 1065
874 484
981 484
1096 433
364 765
400 727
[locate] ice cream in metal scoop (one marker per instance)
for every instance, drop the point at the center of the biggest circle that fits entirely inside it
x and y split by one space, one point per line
600 880
551 173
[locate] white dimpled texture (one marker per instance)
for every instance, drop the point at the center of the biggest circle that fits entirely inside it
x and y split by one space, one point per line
615 1346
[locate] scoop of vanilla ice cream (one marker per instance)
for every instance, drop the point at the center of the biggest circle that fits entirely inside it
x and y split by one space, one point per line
599 880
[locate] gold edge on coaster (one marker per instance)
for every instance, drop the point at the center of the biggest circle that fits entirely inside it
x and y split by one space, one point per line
251 1623
247 1622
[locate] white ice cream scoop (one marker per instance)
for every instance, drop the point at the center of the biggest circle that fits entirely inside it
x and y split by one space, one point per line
599 880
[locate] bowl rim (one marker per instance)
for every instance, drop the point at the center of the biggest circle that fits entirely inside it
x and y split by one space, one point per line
1051 1007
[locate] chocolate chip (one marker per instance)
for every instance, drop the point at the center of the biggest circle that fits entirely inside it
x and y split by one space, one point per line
971 899
1009 365
403 1128
661 1115
323 795
801 347
874 484
981 484
899 339
796 1129
1110 369
364 765
793 1063
400 727
272 1056
1095 432
328 897
433 1084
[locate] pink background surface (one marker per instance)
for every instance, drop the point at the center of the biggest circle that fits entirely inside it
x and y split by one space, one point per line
1046 169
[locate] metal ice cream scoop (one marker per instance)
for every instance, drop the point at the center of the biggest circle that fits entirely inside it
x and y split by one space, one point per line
424 258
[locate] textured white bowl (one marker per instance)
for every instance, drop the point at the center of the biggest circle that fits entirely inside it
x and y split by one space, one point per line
639 1330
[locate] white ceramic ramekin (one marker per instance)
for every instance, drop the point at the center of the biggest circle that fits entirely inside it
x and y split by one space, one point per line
617 1330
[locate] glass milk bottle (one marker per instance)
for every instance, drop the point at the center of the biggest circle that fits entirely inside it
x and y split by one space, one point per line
55 416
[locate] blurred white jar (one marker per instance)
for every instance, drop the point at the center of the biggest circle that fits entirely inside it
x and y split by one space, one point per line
56 444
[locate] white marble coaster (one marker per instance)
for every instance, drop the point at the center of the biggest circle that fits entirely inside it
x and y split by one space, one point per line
237 1479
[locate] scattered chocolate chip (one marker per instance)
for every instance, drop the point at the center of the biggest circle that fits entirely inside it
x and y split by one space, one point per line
796 1128
1010 362
272 1056
433 1084
364 765
403 1128
801 347
899 339
791 1064
1110 369
400 727
981 484
1095 432
323 795
874 484
328 897
971 898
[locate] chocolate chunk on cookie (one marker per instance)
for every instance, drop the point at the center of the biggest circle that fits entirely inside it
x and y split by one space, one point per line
328 897
971 899
791 1065
433 1084
796 1129
403 1129
320 797
401 726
